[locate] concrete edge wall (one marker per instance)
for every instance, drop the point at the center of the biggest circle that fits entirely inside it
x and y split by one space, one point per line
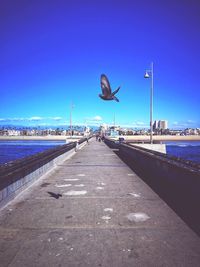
175 180
155 147
161 166
177 184
11 191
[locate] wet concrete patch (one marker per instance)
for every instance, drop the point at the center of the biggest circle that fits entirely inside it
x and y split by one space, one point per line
137 217
75 193
134 195
63 185
108 210
71 179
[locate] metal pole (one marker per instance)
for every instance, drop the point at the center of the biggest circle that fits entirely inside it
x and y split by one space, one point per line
70 122
71 118
151 106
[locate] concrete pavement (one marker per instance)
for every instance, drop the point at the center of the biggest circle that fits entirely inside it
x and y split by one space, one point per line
93 210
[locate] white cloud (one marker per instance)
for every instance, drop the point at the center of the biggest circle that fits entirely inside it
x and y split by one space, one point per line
11 119
18 119
191 121
35 118
184 124
44 124
140 124
97 118
94 120
32 119
56 118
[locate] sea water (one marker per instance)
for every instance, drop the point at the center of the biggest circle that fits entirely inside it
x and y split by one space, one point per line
188 150
12 150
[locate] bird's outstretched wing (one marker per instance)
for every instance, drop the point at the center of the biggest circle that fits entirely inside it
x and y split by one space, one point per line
105 85
113 93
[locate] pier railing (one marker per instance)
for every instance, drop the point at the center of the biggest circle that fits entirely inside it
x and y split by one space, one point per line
17 175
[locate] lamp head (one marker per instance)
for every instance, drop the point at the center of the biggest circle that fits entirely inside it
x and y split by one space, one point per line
146 75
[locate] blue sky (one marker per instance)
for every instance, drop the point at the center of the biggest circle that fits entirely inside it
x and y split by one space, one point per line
52 54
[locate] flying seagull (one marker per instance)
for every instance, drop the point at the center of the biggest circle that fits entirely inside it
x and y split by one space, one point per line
106 89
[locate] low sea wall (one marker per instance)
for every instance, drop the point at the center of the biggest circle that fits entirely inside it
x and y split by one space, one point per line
40 137
157 138
128 138
177 181
17 175
155 147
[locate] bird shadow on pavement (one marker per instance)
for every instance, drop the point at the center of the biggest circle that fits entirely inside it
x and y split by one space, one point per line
54 195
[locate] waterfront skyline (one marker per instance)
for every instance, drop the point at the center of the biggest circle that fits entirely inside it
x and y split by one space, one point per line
53 53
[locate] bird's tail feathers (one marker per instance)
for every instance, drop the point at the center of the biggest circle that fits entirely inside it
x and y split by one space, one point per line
115 98
115 91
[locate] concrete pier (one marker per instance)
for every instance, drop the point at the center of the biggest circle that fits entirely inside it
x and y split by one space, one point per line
93 210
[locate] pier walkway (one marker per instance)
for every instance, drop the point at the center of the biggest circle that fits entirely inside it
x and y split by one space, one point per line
93 210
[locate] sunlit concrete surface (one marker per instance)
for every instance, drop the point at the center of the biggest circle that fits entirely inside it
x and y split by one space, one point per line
93 210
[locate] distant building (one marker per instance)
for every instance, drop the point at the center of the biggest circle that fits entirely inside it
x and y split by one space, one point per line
86 131
160 125
13 132
155 125
163 125
103 128
191 131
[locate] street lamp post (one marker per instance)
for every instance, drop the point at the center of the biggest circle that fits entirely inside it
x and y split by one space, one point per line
149 74
71 107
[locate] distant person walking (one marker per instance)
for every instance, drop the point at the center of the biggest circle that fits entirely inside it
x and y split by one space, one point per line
76 147
87 140
97 137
